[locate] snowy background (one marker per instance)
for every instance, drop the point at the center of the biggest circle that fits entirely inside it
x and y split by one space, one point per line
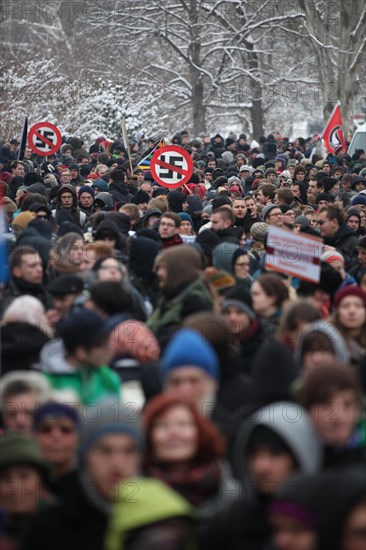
168 65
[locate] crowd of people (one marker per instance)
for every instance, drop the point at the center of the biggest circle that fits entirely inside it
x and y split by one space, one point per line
160 387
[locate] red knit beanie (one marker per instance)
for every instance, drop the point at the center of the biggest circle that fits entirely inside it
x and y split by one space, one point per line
350 290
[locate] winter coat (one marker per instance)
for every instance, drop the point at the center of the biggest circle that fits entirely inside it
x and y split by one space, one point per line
21 344
249 343
208 487
155 503
345 242
230 234
244 525
77 147
358 271
183 285
168 315
120 193
143 252
90 384
18 287
73 523
78 217
222 256
217 148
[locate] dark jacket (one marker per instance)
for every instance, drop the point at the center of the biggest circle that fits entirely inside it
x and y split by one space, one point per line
244 525
18 287
249 344
120 193
21 344
73 523
78 217
167 317
143 252
231 234
346 242
217 148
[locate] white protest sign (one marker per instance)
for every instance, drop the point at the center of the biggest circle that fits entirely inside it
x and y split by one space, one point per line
295 254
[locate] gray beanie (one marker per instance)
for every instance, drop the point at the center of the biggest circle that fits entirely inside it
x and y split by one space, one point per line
227 156
107 418
240 305
232 180
259 231
208 209
267 209
303 221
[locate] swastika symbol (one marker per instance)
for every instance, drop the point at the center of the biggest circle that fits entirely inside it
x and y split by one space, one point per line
170 173
44 138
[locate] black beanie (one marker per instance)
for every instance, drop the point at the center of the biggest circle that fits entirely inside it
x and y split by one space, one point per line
140 197
241 294
262 436
329 183
220 201
30 178
68 227
323 197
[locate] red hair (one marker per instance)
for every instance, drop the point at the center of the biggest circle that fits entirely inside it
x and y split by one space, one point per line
211 443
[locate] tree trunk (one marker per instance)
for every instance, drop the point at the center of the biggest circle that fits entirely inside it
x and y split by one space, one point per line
198 107
257 112
197 97
257 117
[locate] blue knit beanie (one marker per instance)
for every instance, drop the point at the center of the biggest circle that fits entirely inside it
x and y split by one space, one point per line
106 417
86 189
185 217
189 348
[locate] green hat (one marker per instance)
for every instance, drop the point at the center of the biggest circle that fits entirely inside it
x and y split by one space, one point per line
142 502
21 449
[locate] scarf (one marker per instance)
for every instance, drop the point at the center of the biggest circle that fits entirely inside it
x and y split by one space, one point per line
28 288
197 485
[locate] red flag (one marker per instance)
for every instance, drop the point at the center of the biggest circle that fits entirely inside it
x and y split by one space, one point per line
333 134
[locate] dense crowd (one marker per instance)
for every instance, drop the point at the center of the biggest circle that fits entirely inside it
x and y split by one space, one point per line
160 387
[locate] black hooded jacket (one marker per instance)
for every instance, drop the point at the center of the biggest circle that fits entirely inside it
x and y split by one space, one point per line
217 148
143 252
78 217
21 344
346 242
120 193
72 523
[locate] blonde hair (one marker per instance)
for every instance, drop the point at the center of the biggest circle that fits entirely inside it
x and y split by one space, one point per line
161 203
32 382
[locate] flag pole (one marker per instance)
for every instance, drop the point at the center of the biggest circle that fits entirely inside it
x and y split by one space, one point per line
23 140
125 141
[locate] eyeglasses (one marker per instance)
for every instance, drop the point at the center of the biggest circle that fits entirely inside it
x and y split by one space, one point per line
42 217
275 214
165 224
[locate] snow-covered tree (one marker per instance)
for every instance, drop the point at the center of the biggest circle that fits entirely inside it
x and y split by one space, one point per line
337 33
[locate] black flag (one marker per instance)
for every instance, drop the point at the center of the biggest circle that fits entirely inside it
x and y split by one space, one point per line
23 140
